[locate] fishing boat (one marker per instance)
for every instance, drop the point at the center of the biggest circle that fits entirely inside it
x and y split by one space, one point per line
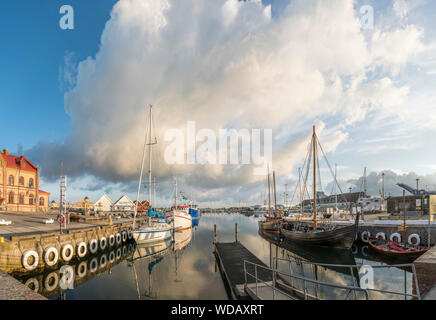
397 250
154 229
179 217
324 234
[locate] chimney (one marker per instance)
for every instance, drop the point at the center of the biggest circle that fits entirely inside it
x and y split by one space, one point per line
5 152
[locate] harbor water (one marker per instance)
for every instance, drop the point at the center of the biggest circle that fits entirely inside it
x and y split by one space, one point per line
186 268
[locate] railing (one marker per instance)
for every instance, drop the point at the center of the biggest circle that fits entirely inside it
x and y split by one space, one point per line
305 280
357 267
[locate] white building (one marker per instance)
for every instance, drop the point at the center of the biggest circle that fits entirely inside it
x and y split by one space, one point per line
104 204
124 204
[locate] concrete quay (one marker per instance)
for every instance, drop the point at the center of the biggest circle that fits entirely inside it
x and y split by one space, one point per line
12 289
28 233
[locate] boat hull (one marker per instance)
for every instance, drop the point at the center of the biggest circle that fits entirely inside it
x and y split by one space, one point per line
269 225
339 237
180 220
150 235
379 247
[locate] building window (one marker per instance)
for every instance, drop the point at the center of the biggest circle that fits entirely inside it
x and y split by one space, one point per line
31 199
11 180
11 197
41 201
21 198
31 182
21 181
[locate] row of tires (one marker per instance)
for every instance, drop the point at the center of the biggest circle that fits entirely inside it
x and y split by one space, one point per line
51 281
413 238
30 258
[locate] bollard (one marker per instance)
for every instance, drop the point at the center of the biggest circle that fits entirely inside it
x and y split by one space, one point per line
236 232
214 233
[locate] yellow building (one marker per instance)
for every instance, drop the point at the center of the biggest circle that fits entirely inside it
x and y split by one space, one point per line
19 185
85 205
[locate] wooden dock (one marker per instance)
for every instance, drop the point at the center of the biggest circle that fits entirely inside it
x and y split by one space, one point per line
230 258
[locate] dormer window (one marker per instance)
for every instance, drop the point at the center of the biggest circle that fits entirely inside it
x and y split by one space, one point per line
23 164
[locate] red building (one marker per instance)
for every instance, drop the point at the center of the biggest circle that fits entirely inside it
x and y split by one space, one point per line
19 185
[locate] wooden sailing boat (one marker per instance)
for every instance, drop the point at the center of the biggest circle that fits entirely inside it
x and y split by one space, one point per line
272 222
320 234
397 250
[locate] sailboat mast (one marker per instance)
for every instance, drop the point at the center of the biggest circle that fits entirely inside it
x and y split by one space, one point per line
149 161
275 193
139 183
175 194
314 179
269 194
336 192
301 191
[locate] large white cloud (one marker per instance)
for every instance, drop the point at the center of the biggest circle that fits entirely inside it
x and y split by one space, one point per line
224 63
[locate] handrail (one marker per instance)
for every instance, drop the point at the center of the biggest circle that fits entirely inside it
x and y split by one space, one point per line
411 265
274 271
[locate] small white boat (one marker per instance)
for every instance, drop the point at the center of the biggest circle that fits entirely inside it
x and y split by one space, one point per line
153 232
4 222
48 221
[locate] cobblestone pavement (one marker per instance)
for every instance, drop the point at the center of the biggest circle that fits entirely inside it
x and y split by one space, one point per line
11 289
27 223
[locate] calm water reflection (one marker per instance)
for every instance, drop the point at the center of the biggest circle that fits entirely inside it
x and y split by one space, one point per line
186 269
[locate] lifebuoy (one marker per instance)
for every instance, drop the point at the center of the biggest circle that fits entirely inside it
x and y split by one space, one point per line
34 282
118 238
25 260
364 236
354 249
51 256
397 235
124 250
118 254
93 265
130 250
67 252
380 235
416 237
93 245
81 269
103 261
81 249
111 240
124 234
130 234
365 251
51 281
103 243
112 256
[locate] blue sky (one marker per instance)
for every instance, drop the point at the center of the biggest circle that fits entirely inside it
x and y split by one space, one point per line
35 55
33 50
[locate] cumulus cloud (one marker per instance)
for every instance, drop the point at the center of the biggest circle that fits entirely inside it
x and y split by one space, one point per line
223 64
